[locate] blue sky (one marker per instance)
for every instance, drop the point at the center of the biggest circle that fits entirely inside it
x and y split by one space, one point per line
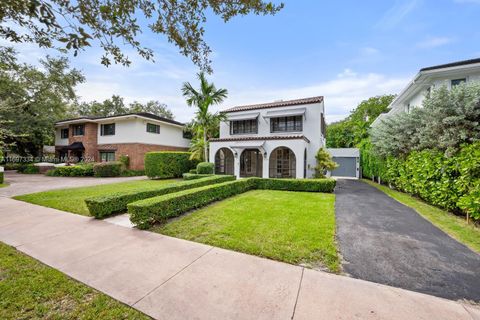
346 51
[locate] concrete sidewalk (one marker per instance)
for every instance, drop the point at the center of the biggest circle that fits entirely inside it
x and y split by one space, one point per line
169 278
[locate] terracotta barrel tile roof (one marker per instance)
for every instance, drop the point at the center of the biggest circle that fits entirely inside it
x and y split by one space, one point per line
276 104
294 137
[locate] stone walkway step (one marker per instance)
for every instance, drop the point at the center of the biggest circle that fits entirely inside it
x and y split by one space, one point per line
169 278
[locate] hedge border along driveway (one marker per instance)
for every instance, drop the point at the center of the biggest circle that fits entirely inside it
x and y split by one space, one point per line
145 213
104 206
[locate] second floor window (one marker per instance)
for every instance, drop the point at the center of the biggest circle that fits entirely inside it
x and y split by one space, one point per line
78 130
243 126
456 82
286 124
64 133
153 128
107 129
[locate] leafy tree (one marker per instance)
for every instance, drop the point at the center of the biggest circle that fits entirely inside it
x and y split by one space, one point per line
153 107
32 99
324 163
202 99
351 131
72 25
448 119
110 107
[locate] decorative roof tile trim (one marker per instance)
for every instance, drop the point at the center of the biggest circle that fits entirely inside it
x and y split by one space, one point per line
275 104
259 138
140 114
452 64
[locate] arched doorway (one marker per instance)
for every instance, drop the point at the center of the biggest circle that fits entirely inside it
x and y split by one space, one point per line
224 161
282 163
251 163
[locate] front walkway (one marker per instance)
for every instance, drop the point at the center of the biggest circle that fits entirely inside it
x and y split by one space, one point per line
383 241
169 278
19 183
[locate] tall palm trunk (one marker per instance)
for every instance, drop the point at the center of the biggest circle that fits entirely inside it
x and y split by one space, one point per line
205 149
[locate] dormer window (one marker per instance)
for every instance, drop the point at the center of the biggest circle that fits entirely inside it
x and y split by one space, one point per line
457 82
244 126
286 124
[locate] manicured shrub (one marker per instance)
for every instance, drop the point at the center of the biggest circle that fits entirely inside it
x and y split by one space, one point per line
125 161
193 171
193 176
167 164
79 170
28 169
14 166
132 173
205 168
1 177
103 206
305 185
107 169
146 212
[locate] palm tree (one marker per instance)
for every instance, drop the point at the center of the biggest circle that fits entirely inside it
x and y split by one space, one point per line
202 99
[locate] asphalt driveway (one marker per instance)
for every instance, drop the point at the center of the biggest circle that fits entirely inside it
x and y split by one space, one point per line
383 241
28 183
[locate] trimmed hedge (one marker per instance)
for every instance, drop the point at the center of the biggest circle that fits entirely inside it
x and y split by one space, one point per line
1 177
80 170
107 169
28 168
146 212
193 171
103 206
132 173
205 168
305 185
192 176
167 164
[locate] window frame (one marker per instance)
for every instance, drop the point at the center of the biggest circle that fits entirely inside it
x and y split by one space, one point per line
103 131
156 126
457 82
106 158
75 130
286 124
248 126
62 133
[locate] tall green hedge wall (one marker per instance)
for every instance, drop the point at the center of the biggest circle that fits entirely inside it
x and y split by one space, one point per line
167 164
452 183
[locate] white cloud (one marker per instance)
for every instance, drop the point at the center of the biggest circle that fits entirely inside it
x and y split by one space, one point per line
433 42
396 14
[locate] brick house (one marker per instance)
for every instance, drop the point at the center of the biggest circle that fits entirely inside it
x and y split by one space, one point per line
107 138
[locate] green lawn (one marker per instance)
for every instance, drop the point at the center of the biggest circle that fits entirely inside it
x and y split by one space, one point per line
451 224
294 227
3 185
31 290
72 199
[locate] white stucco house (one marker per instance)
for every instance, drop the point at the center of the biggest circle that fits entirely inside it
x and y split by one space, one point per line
270 140
429 78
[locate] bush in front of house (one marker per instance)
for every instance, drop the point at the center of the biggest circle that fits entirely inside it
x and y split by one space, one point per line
125 161
304 185
167 164
28 169
205 168
132 173
107 169
193 176
147 212
103 206
78 170
1 177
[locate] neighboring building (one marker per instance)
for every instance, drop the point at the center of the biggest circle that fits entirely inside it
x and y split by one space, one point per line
108 138
277 140
428 79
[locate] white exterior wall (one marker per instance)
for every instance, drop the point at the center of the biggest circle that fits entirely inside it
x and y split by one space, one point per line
135 131
311 130
58 137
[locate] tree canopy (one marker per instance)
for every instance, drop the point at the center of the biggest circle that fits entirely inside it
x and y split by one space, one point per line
351 131
116 24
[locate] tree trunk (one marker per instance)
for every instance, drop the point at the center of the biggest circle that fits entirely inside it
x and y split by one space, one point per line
205 149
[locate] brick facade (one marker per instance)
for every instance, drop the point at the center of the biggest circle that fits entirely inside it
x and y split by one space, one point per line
89 140
135 151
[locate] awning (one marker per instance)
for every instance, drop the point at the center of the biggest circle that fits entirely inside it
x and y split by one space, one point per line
75 146
286 113
244 116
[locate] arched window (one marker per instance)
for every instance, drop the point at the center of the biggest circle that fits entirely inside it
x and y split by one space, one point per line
282 163
224 161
